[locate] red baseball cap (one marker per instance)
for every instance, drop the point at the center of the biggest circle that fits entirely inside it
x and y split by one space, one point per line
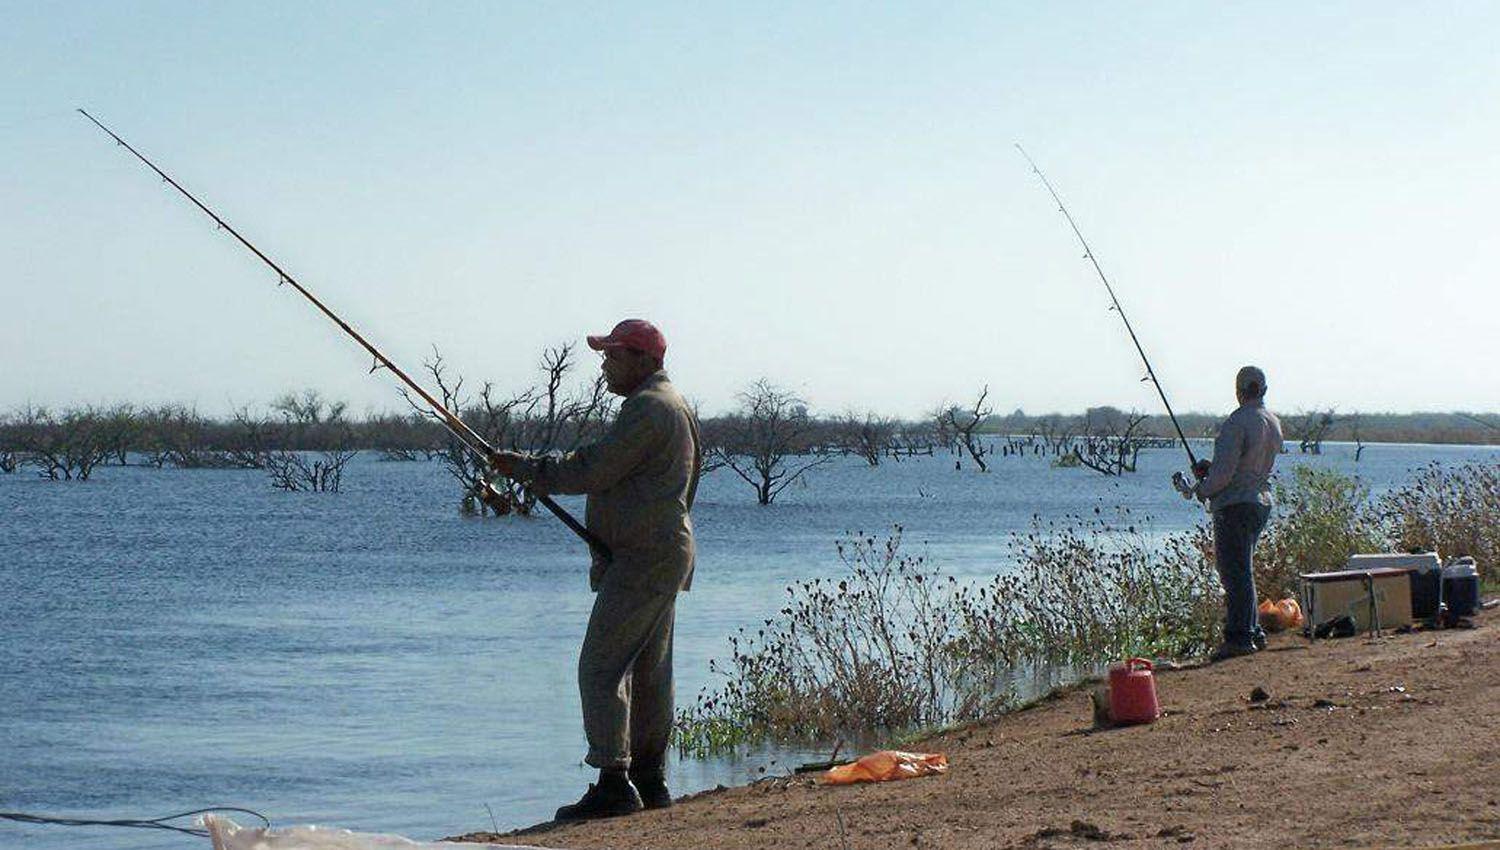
635 334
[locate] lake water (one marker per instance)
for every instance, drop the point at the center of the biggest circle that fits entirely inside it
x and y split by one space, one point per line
171 639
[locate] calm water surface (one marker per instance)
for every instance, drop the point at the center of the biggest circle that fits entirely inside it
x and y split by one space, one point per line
171 639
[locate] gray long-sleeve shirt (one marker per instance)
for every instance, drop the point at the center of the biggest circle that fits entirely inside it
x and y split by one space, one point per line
640 478
1244 453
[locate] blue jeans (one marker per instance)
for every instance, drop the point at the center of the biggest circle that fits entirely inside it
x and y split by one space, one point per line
1237 528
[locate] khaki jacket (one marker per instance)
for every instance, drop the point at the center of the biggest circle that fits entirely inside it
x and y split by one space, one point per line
641 478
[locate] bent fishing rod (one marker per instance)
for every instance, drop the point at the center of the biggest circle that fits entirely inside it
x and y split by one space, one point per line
1088 253
467 436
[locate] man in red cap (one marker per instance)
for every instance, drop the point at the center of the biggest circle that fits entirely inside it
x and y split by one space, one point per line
640 479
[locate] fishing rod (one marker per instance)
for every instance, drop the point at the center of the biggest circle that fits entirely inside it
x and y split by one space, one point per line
461 431
1088 253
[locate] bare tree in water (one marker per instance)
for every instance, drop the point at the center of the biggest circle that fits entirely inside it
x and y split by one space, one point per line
557 420
316 440
538 419
869 436
170 431
490 418
10 444
710 436
1111 440
121 430
1359 442
914 438
63 447
1056 435
177 435
250 443
767 441
961 424
1309 429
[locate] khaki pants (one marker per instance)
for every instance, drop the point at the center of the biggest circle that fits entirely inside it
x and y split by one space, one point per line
625 677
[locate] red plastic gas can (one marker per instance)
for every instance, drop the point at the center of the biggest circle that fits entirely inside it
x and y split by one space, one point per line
1132 692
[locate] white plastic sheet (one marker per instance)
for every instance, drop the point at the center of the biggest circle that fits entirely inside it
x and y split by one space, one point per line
228 835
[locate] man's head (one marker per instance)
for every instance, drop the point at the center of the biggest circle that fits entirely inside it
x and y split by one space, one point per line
633 352
1249 384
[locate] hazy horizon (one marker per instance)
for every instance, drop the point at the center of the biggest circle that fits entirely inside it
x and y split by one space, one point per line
999 411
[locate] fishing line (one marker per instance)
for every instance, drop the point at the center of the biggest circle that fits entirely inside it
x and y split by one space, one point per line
1088 254
135 823
454 423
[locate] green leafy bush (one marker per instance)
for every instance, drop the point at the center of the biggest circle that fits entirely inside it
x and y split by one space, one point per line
1321 518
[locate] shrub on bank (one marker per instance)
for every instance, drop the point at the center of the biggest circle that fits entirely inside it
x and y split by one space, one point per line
895 644
872 650
1090 590
1321 518
1452 511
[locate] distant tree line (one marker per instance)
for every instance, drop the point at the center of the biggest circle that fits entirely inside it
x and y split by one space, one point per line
303 441
770 440
1310 426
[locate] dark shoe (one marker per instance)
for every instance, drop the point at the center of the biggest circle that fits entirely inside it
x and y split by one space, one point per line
610 798
1340 626
1258 641
653 788
1227 651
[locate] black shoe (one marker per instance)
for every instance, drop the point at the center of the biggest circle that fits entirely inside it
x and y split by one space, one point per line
1227 651
1258 641
610 798
1340 626
653 788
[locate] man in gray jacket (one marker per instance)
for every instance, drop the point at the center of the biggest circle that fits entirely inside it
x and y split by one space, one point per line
1237 486
640 478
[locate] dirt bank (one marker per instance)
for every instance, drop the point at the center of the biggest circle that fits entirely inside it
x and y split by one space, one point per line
1391 742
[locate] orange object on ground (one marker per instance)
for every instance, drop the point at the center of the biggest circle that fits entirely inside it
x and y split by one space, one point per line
1269 616
1275 616
1291 611
884 766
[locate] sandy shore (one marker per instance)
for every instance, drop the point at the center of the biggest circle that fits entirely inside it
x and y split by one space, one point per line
1362 743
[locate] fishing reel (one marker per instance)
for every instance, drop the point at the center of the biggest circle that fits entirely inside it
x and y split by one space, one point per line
500 503
1187 488
1181 485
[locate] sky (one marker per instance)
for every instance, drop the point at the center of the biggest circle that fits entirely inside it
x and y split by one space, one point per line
827 196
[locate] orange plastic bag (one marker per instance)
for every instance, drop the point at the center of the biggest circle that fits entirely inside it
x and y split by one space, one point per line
1269 616
1291 613
1276 616
886 765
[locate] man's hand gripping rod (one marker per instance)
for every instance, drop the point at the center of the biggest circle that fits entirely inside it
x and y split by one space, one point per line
470 438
